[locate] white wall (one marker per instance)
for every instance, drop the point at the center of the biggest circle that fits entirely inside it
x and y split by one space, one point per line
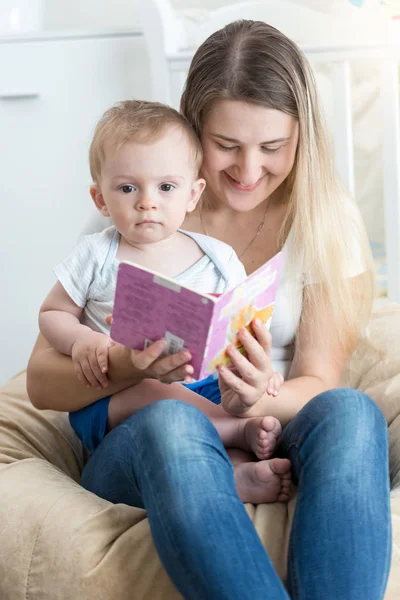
100 14
90 14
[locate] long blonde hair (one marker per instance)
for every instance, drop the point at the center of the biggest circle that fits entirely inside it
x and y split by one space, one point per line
254 62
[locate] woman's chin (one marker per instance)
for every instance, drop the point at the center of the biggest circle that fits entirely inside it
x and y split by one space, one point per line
241 202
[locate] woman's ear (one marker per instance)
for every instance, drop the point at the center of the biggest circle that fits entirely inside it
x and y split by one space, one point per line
98 199
197 190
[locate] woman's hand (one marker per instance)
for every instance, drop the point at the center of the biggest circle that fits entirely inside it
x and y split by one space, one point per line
250 377
167 369
150 363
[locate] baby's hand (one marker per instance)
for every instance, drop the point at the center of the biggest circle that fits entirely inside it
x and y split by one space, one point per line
90 358
274 384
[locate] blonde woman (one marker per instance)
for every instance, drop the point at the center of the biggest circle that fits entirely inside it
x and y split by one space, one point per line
271 185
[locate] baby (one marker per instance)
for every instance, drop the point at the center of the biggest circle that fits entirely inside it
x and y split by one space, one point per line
145 160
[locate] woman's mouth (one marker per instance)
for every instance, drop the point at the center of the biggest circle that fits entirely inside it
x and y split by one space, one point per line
237 185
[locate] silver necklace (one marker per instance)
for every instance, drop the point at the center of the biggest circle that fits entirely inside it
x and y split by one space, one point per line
253 239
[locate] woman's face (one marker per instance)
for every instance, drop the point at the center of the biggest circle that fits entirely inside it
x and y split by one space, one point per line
249 150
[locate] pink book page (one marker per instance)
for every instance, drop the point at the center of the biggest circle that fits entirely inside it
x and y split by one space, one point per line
148 307
254 298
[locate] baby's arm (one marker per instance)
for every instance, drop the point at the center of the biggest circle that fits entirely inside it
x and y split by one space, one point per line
60 325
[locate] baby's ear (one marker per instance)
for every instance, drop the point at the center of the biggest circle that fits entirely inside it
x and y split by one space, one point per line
98 199
195 194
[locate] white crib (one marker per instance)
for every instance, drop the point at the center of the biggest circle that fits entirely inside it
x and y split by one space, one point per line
336 41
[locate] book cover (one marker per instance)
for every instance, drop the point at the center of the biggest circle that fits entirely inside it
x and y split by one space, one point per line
149 306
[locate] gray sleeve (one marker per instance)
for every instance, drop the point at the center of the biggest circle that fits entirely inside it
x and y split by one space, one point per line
236 271
78 272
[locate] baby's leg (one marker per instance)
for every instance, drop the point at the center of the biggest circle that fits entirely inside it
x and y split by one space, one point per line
258 434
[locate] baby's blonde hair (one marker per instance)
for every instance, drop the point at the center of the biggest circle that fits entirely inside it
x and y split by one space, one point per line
140 121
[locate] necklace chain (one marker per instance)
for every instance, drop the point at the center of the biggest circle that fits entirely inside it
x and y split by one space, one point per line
253 239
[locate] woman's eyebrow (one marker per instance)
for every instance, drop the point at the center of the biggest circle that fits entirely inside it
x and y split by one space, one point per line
228 139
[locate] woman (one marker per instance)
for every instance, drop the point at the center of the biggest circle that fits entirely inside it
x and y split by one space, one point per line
271 185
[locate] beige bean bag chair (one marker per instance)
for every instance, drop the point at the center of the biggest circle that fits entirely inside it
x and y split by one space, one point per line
58 541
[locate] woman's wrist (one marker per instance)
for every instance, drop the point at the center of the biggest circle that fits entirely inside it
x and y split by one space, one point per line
121 369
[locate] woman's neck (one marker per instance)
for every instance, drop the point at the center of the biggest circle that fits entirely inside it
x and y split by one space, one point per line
239 229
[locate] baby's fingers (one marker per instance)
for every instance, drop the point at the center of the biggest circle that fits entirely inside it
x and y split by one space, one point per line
80 374
101 378
102 359
274 384
89 377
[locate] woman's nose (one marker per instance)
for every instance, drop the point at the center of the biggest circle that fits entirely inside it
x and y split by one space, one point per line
249 169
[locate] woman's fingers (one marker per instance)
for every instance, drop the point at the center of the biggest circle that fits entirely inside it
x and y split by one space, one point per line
257 349
169 368
142 359
183 373
236 384
262 336
246 370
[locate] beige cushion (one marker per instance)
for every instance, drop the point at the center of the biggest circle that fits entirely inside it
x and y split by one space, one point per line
58 541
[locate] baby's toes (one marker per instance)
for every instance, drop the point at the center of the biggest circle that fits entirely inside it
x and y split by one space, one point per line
285 492
263 452
272 427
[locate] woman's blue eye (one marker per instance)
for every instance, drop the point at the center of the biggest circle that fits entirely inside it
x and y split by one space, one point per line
127 189
167 187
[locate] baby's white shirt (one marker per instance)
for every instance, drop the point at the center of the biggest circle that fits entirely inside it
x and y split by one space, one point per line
89 273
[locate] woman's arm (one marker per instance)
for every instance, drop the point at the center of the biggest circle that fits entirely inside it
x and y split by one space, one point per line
59 322
317 366
52 382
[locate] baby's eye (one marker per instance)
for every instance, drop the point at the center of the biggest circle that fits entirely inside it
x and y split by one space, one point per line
127 189
167 187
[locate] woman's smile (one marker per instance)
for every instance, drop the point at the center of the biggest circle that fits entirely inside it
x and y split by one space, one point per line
241 187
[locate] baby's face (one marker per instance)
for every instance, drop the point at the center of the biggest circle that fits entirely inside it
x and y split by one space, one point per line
148 188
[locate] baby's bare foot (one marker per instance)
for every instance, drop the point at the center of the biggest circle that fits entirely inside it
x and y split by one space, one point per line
263 481
261 435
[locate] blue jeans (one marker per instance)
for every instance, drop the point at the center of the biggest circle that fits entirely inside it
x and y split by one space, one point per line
169 459
90 422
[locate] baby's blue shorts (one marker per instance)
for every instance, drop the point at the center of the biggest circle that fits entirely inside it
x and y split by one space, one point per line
90 422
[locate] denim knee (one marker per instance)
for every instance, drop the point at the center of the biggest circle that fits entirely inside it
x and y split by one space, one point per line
338 427
348 409
172 426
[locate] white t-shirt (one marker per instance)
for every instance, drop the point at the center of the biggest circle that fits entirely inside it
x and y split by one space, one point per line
289 299
89 273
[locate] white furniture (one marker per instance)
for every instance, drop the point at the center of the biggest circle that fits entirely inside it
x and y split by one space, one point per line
53 88
18 16
335 40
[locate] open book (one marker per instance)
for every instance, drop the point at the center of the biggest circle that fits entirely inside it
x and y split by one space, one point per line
149 306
